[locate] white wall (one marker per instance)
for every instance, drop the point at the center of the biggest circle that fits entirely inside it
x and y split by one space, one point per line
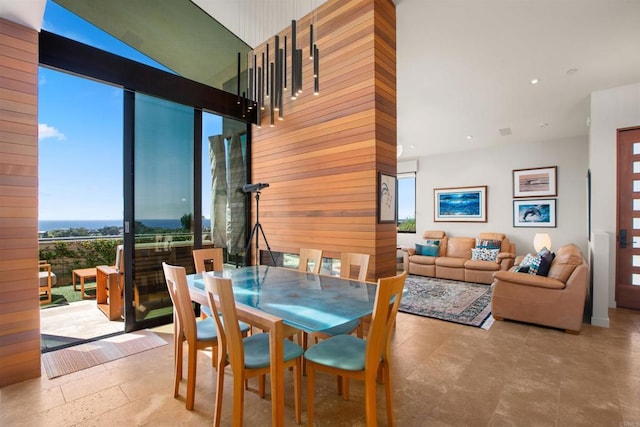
611 109
493 167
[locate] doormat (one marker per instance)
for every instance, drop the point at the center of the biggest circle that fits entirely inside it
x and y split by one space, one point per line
83 356
460 302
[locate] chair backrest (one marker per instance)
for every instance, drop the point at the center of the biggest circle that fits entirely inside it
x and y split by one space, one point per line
229 335
209 259
313 255
176 278
385 309
354 266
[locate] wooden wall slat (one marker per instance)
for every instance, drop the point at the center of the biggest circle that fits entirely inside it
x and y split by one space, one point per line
322 160
19 305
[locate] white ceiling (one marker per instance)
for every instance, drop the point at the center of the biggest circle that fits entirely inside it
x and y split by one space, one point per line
464 66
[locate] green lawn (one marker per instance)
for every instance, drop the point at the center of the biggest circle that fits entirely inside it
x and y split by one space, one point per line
63 295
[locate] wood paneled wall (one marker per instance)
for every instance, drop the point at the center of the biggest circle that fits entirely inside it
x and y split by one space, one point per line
19 306
322 161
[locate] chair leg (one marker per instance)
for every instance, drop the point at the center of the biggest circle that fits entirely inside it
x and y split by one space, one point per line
261 386
238 400
386 375
310 392
192 358
370 400
217 410
297 388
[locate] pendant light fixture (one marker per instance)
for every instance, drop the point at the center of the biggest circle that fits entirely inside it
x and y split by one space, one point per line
280 58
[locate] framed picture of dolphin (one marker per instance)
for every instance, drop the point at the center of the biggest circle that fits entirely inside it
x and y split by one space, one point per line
534 213
538 182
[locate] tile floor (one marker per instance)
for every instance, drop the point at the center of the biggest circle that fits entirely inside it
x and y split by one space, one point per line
444 375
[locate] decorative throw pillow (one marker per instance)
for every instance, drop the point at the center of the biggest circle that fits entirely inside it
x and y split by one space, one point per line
535 265
527 260
484 254
430 250
488 244
418 249
522 268
545 263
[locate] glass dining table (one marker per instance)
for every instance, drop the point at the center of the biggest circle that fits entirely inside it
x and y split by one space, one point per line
283 301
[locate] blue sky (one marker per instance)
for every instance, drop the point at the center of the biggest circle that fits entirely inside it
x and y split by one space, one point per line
80 135
80 132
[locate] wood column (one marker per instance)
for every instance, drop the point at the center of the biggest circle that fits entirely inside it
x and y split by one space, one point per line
19 305
322 161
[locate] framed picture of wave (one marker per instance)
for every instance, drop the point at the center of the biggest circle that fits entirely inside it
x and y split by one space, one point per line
534 213
464 204
537 182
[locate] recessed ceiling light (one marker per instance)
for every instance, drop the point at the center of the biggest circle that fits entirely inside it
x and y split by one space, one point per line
571 71
535 81
469 136
412 146
543 124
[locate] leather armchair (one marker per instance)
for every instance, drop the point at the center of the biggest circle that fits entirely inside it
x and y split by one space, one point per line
556 300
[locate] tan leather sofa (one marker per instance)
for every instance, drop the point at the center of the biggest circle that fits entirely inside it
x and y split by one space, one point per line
454 258
555 300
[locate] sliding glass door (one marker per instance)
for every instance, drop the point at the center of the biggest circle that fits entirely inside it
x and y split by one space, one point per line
162 224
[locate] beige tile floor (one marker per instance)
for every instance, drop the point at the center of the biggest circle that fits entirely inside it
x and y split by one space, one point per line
444 375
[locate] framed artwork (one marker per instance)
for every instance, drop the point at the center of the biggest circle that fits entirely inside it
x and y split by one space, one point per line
538 182
464 204
534 213
387 191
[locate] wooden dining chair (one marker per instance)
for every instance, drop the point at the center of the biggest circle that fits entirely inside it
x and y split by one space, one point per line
354 266
352 357
313 255
199 334
249 357
207 259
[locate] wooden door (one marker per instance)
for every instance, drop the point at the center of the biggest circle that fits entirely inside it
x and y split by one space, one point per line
628 227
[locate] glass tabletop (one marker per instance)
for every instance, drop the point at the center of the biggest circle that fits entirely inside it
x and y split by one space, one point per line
306 301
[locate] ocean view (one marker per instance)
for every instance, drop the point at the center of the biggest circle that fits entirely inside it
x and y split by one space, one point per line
95 224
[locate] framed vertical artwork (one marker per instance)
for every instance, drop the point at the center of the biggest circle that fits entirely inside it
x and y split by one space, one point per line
536 182
387 198
534 213
464 204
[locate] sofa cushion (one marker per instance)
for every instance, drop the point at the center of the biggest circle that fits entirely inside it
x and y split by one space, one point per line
451 262
422 260
484 254
527 260
566 260
460 247
481 265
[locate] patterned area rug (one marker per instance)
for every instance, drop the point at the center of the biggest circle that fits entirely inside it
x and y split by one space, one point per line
459 302
83 356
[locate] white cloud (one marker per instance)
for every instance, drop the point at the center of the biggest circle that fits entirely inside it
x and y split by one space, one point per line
46 131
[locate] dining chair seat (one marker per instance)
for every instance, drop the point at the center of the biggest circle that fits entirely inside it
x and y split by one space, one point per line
342 351
256 351
206 330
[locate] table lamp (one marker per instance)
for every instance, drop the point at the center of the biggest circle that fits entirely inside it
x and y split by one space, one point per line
541 240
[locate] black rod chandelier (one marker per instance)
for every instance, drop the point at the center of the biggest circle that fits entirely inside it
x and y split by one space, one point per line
267 74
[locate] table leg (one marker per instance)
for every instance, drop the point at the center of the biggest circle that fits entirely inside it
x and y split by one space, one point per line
276 344
73 280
